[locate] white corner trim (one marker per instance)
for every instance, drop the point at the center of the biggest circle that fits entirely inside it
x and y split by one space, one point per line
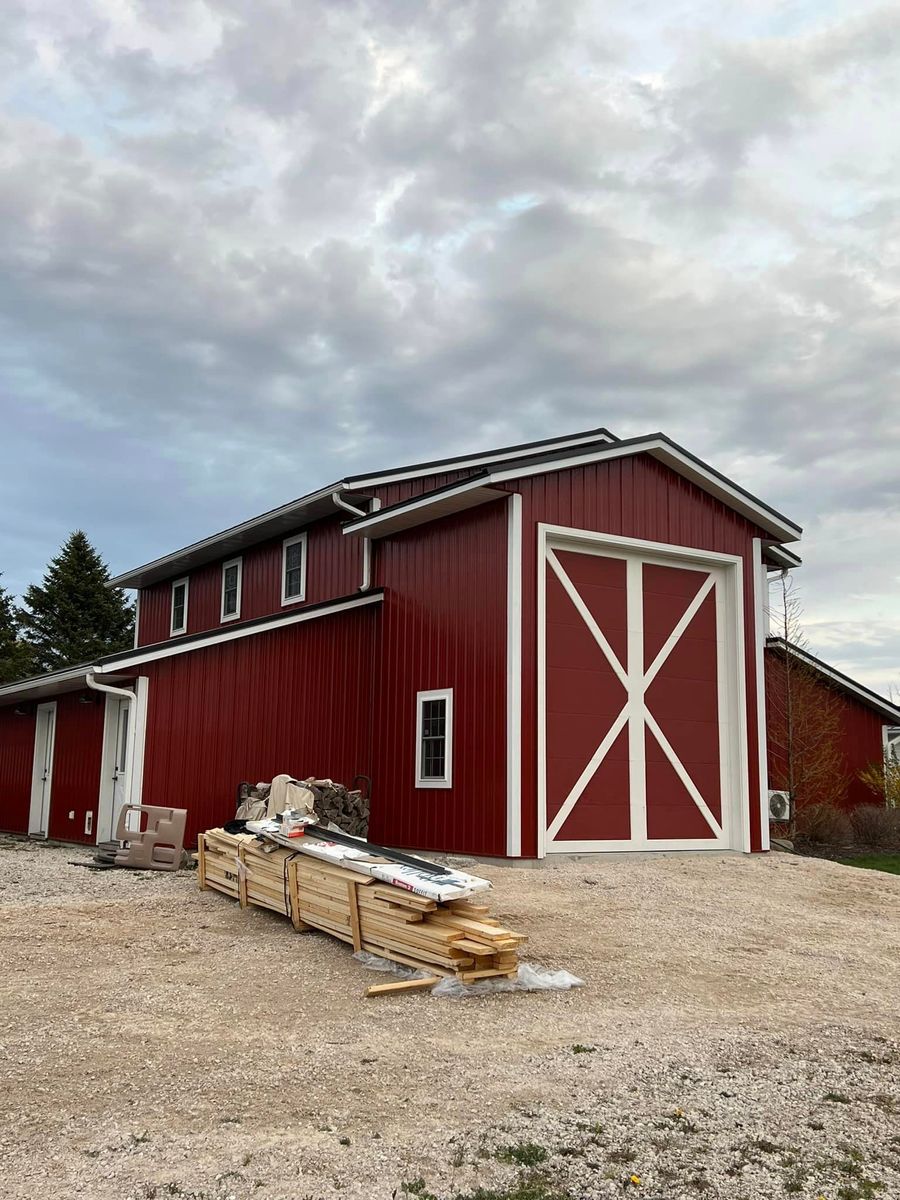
236 615
514 677
297 539
141 691
219 637
447 779
760 628
186 583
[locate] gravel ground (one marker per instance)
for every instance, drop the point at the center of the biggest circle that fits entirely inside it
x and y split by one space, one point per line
736 1038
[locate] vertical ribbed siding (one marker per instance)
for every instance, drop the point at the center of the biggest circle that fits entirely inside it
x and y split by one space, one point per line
333 569
76 764
16 762
860 738
631 497
444 626
295 700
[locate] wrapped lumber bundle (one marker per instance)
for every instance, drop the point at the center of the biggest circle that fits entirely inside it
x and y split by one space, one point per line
218 863
453 938
456 937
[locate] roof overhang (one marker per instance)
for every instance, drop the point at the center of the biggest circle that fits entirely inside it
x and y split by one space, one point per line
443 502
57 683
280 522
888 710
779 558
438 503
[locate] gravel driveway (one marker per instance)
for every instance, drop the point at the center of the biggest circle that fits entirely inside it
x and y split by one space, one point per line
736 1038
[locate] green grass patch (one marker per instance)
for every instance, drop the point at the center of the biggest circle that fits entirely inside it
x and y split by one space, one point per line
523 1154
875 862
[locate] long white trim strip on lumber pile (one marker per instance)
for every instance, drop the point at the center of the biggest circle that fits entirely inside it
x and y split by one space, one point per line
456 938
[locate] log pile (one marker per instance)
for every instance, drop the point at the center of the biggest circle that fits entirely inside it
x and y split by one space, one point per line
458 938
349 810
346 808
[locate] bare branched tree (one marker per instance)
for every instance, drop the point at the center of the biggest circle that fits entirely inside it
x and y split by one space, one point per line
804 716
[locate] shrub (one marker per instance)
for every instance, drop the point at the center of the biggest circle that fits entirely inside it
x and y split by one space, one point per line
824 823
873 826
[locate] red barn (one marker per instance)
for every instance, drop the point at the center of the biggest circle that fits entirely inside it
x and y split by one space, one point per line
865 720
549 647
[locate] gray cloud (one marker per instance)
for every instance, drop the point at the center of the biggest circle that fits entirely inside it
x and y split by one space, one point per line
247 247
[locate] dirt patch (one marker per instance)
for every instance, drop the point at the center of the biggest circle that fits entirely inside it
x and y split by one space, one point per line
157 1041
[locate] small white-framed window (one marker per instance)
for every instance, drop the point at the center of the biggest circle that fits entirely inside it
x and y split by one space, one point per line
293 569
232 574
434 739
179 616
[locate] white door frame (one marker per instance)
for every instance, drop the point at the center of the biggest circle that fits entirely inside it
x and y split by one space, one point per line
732 681
137 730
41 795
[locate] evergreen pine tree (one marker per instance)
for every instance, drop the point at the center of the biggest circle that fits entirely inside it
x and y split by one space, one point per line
73 617
15 656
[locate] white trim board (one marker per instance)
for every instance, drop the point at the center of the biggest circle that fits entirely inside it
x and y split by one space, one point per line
872 699
657 446
733 832
476 460
760 627
218 636
514 567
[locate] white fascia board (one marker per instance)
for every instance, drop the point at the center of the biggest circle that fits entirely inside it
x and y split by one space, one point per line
680 462
479 460
218 636
872 699
43 681
431 506
286 510
416 511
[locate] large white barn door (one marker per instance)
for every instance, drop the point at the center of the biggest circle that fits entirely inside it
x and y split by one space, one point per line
642 735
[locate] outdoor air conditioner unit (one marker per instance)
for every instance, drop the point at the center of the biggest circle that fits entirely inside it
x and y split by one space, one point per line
779 806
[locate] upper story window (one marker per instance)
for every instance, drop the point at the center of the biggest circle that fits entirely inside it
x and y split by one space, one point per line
434 739
179 615
232 573
293 569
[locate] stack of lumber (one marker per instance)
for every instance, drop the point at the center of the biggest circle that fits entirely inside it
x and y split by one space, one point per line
457 938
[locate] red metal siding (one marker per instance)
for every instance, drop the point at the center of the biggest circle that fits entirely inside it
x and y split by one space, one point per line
76 765
333 568
16 762
394 493
444 626
294 700
633 497
861 734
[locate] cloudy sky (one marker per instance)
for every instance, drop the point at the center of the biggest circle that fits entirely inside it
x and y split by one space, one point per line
248 246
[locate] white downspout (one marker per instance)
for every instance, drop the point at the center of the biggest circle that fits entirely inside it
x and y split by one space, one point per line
91 681
340 502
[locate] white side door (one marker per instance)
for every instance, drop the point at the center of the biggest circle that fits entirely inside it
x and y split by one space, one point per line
42 770
115 765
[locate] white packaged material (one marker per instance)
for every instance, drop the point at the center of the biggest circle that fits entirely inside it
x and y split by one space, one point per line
452 886
529 979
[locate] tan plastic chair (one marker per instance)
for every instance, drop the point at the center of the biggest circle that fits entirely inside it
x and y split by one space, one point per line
159 846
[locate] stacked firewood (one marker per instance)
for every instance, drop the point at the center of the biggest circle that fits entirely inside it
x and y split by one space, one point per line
349 810
332 802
